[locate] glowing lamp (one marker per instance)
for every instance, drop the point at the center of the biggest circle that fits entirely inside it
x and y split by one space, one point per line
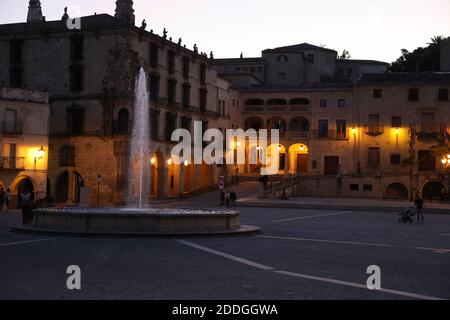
354 130
153 160
186 163
444 161
169 162
41 152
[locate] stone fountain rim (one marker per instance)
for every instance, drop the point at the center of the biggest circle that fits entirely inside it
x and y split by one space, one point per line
159 212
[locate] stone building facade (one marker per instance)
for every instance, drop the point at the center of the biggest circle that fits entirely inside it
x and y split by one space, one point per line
339 120
89 74
24 141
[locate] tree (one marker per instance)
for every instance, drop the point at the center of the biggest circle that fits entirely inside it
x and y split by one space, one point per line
422 59
345 55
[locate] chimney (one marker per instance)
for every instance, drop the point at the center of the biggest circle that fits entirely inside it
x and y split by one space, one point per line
125 11
35 11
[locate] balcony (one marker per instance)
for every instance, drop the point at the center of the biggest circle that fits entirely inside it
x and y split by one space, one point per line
430 131
374 129
12 127
12 163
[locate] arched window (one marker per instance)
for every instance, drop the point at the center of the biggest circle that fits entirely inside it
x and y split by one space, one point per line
122 121
299 124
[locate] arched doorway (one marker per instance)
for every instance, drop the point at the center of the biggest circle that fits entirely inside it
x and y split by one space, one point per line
62 187
298 157
396 191
433 190
25 184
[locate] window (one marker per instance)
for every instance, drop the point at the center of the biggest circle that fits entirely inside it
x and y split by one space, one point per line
323 103
323 128
154 55
331 164
282 59
154 87
427 160
354 187
76 78
443 94
75 119
186 95
413 94
368 187
202 74
171 62
11 125
341 129
76 48
154 124
203 95
171 92
428 124
341 103
123 121
310 58
67 156
374 158
186 67
374 124
396 159
396 122
186 123
377 93
171 124
15 71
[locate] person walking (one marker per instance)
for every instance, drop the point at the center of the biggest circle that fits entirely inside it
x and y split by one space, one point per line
25 205
2 198
419 204
233 199
7 198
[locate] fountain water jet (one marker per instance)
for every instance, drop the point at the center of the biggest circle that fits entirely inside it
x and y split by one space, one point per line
138 157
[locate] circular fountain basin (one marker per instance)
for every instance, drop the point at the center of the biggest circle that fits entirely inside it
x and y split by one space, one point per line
129 221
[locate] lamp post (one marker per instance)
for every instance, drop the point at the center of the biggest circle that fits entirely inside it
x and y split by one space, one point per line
39 155
446 162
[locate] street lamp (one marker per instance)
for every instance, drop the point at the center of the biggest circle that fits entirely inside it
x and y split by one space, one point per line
39 155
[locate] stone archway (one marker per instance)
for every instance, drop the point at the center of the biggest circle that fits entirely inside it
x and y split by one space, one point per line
298 159
25 183
396 191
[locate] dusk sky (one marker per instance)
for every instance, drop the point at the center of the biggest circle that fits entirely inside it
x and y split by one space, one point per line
368 29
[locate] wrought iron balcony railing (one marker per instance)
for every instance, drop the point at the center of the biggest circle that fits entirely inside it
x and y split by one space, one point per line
12 163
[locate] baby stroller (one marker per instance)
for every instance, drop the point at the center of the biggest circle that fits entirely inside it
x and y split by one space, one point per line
406 216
